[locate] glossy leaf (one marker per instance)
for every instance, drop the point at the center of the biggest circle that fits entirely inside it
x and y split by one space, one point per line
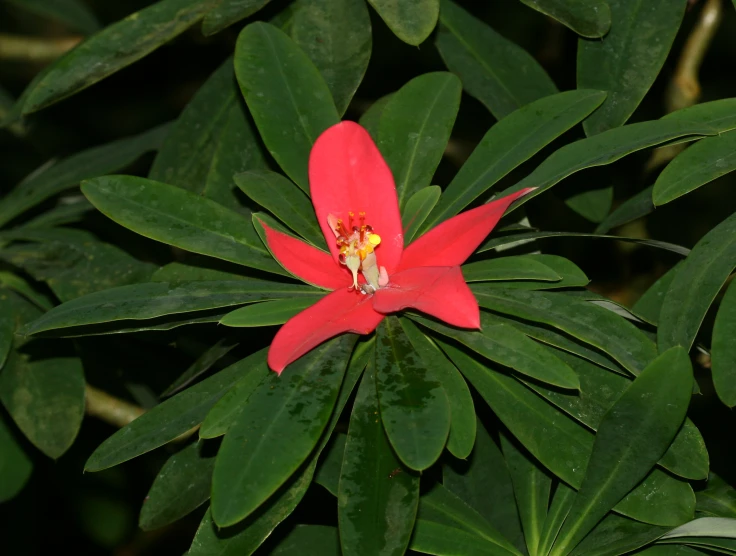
309 540
410 20
592 204
202 364
616 535
266 444
227 12
267 313
377 498
372 116
632 436
593 325
568 274
414 407
69 210
328 471
531 489
15 465
337 38
462 424
180 218
702 163
414 129
509 268
705 527
73 13
50 180
631 209
282 198
155 299
182 485
287 97
500 74
627 61
723 355
719 114
588 18
559 507
18 285
115 47
417 209
45 398
717 499
698 280
509 347
172 417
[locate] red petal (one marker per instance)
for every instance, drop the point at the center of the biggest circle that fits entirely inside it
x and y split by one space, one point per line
306 262
341 311
453 241
438 291
347 173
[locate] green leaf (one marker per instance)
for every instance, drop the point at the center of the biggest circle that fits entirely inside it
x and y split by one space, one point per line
377 498
203 364
309 540
718 499
227 12
414 129
602 149
417 209
337 38
115 47
7 327
267 443
15 465
484 484
702 163
627 61
69 210
180 218
182 485
616 535
288 98
211 141
723 355
18 285
180 272
568 274
50 180
446 525
521 267
281 197
559 507
588 18
73 13
267 313
462 425
410 20
509 143
155 299
497 72
172 417
593 325
414 407
631 209
532 488
372 116
719 114
592 204
698 280
705 527
45 398
509 347
74 263
328 472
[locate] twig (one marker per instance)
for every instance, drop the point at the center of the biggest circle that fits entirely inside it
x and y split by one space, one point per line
35 49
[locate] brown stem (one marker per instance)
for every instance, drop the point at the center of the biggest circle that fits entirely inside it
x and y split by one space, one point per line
35 49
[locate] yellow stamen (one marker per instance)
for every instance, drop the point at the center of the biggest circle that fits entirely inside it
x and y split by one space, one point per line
375 239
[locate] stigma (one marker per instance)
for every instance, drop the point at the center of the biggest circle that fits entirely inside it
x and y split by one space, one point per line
357 243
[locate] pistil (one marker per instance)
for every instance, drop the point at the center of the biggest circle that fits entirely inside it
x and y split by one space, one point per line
357 245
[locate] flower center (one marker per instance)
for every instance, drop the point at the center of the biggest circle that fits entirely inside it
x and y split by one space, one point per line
357 242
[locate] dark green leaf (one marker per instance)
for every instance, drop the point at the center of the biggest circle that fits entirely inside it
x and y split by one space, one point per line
203 364
719 114
73 13
531 489
705 527
633 208
69 210
372 116
500 74
180 272
182 485
48 181
377 498
15 465
417 209
7 326
632 436
45 398
414 407
328 472
718 499
617 535
462 424
180 218
337 38
173 417
509 268
288 98
592 204
628 60
284 420
588 18
587 322
115 47
414 129
267 313
698 280
511 142
410 20
723 355
568 274
227 12
282 198
309 540
558 510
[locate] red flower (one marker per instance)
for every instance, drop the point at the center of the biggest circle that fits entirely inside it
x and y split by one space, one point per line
371 273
